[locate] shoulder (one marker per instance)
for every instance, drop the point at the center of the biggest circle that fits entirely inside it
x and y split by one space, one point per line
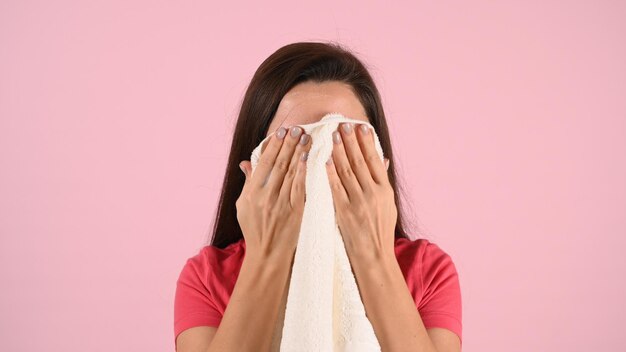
219 255
430 272
420 254
421 245
433 280
211 263
204 286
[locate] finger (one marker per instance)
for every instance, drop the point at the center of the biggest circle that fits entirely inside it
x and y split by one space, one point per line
283 161
343 168
264 146
366 143
286 187
340 197
267 159
355 156
297 192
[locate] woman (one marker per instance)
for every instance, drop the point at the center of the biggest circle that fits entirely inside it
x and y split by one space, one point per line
229 295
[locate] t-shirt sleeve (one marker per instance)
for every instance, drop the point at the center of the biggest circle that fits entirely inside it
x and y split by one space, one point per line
193 303
441 302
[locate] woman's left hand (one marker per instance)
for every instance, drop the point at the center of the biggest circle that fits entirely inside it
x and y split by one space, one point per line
362 195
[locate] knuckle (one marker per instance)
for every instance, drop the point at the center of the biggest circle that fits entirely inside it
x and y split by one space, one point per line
279 208
259 202
372 158
282 164
265 162
291 172
298 208
243 198
360 162
360 210
345 170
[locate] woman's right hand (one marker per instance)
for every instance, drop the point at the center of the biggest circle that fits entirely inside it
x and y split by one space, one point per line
269 210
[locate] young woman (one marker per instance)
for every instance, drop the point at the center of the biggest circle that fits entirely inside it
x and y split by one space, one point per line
229 295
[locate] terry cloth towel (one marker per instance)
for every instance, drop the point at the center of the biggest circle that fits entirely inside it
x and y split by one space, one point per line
324 311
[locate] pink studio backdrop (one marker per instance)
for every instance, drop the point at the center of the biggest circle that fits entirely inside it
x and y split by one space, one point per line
508 119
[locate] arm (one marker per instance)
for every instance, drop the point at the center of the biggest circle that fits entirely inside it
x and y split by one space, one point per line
398 326
251 315
269 212
365 206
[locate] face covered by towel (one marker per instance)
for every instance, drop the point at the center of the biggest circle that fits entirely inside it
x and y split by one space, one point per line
324 310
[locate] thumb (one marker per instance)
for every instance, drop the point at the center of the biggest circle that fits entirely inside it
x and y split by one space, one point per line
245 168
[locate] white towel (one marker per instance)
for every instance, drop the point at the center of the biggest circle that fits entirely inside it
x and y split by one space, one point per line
324 310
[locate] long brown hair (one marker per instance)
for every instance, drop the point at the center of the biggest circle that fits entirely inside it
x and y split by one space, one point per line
292 64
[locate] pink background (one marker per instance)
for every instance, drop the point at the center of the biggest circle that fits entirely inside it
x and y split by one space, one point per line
508 119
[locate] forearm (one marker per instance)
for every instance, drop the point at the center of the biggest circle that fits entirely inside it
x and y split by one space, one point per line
250 317
390 307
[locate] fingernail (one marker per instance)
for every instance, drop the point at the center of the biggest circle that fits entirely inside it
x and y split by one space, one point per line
330 160
304 139
336 137
304 156
365 129
295 131
281 132
347 127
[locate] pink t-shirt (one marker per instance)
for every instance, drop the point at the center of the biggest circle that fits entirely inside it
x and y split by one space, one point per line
208 278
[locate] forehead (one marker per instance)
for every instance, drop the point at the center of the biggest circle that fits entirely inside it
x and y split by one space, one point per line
308 102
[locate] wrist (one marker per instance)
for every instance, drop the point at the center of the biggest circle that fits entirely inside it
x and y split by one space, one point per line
273 259
373 260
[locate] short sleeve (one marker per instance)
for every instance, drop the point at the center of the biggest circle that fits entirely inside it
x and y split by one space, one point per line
441 301
193 303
